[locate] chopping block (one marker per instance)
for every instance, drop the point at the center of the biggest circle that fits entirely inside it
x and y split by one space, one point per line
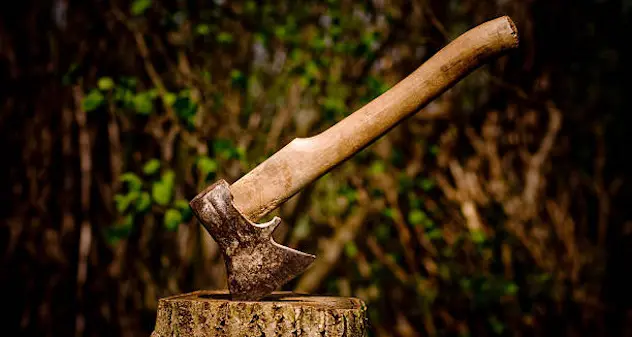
213 313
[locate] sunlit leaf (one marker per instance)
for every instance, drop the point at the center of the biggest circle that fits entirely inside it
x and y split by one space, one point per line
169 178
203 29
377 167
121 202
92 100
206 166
144 202
161 193
152 93
280 32
416 217
351 250
151 167
170 98
143 103
172 219
134 183
139 7
105 83
224 37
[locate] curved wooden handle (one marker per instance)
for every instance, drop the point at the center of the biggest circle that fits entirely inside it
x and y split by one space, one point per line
306 159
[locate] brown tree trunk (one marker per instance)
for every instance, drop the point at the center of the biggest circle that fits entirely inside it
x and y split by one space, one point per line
212 313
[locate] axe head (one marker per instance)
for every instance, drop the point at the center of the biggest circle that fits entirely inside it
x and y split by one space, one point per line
255 264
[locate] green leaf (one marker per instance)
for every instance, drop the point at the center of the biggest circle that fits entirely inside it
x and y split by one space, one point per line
184 107
184 208
434 150
162 190
389 212
121 202
334 105
349 193
124 200
426 184
134 183
105 83
151 167
280 32
170 98
224 37
143 103
435 234
250 7
478 236
140 6
144 202
311 69
120 229
169 178
240 152
377 167
351 250
237 78
172 219
203 29
93 100
152 93
161 193
416 217
207 166
511 288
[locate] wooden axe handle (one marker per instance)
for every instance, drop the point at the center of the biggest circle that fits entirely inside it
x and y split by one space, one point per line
304 160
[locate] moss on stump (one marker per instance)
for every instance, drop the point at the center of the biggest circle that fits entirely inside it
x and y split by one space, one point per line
212 313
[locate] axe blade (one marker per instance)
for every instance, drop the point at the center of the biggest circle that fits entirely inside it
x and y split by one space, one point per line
255 264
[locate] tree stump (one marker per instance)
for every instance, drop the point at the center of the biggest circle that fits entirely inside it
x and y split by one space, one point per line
212 313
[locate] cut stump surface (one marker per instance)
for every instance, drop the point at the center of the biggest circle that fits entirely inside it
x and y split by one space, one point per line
212 313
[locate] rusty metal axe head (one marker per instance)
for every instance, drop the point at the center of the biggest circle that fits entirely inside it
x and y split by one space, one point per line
256 265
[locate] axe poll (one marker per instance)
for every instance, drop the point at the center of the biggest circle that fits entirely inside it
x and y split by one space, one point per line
255 264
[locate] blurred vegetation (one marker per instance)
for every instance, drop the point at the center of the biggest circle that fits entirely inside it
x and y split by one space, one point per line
499 209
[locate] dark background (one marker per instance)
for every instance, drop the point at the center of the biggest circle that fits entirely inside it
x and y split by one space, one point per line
502 208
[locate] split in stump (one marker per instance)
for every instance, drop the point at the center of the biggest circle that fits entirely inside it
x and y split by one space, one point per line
213 313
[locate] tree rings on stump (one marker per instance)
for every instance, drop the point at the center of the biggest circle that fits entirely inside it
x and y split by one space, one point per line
213 313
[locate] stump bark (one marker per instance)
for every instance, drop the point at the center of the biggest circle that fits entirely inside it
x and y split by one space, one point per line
212 313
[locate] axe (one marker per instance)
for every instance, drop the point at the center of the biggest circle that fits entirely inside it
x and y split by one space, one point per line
255 264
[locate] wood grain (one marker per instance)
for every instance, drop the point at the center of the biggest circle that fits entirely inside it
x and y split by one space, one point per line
212 313
306 159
